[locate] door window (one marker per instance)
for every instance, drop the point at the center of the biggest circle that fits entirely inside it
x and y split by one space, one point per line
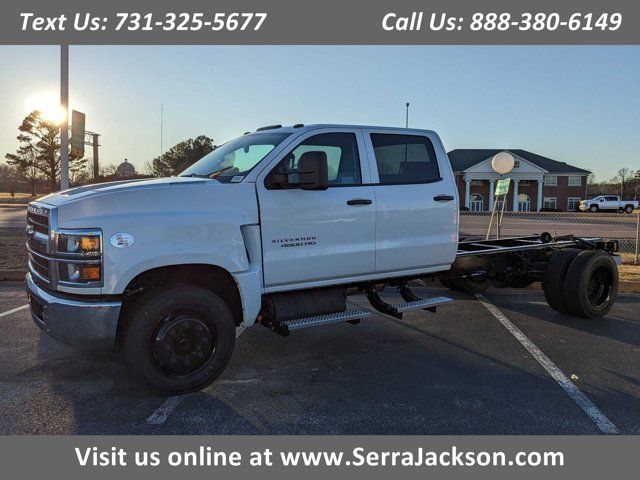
477 203
524 202
404 159
341 150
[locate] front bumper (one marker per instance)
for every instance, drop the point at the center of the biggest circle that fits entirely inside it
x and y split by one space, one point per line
80 323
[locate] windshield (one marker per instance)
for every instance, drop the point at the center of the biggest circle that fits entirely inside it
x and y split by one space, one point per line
233 160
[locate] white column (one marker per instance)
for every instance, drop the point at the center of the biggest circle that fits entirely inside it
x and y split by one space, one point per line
515 194
467 193
491 189
540 183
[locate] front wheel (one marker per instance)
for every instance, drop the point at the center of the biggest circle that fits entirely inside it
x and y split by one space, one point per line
593 209
178 339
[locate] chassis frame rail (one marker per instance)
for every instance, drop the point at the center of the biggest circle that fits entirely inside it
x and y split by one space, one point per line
470 247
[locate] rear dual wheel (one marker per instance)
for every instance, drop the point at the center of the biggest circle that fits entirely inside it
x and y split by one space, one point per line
591 284
583 283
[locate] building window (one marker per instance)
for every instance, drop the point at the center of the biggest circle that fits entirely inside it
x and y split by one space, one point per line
551 180
516 164
524 203
499 205
572 204
550 203
575 181
477 203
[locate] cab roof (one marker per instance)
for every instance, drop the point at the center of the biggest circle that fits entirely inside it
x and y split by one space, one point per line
304 128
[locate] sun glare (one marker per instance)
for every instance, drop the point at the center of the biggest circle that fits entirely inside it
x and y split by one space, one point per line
48 105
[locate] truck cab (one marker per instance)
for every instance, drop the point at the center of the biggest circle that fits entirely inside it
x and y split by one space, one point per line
275 226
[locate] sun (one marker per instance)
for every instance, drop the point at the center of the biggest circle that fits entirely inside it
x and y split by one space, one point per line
48 105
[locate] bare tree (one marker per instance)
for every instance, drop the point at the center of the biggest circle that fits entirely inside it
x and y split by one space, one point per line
621 178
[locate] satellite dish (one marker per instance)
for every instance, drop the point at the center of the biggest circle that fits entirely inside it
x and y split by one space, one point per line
503 162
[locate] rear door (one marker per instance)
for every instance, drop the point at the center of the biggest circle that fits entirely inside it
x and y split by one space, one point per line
416 197
317 237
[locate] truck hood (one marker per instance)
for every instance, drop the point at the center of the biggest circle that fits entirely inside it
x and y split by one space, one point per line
89 191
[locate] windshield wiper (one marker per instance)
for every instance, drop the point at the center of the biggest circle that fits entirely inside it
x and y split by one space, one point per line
199 175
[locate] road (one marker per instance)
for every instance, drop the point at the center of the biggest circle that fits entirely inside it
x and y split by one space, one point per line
460 371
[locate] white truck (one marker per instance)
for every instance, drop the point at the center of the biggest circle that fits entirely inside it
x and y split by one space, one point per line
276 227
608 203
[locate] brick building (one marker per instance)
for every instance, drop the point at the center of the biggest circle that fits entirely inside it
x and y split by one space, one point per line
536 182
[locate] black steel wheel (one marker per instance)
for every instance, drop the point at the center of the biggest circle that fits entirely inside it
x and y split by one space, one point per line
178 339
628 209
591 284
183 342
554 275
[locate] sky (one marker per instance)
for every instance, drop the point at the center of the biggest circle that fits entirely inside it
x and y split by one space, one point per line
579 104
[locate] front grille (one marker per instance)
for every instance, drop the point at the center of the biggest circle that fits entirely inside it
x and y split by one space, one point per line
38 229
40 265
40 223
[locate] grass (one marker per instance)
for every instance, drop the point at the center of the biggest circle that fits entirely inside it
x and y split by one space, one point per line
629 272
19 198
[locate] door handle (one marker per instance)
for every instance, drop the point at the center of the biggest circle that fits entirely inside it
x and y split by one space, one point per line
443 198
359 201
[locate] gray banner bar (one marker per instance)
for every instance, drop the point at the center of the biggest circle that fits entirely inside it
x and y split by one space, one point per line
321 22
42 457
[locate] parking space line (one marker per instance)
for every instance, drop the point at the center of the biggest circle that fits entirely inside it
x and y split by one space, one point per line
603 423
4 314
162 413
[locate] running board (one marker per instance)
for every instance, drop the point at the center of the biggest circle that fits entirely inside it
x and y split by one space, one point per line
347 316
411 302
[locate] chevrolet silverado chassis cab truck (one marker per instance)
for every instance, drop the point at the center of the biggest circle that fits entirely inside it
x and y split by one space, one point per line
277 227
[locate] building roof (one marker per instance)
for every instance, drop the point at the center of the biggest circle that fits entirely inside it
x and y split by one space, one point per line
463 159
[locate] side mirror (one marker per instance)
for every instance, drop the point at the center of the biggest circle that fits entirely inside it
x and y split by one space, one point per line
312 173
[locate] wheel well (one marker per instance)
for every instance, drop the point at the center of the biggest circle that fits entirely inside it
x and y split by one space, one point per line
211 277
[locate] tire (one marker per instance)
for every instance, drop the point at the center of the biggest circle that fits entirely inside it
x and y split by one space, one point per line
591 284
178 339
469 285
628 209
554 275
593 209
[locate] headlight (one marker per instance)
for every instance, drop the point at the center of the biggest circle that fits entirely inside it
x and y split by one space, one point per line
80 273
79 243
79 257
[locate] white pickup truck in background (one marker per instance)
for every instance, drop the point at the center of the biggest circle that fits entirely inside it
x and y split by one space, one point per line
277 227
608 203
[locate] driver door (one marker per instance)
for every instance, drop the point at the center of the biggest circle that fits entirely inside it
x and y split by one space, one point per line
315 237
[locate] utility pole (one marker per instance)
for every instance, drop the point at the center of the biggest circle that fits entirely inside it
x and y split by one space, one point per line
406 122
96 161
64 128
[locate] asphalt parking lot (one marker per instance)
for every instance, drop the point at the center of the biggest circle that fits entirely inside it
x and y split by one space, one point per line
460 371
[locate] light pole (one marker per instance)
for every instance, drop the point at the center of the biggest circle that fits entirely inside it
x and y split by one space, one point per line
64 128
406 122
